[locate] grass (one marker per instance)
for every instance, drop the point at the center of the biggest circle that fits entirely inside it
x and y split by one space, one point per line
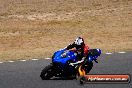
105 24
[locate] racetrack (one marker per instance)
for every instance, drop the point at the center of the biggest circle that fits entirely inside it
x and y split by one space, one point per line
26 74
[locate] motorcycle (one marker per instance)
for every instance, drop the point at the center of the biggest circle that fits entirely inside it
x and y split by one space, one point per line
62 66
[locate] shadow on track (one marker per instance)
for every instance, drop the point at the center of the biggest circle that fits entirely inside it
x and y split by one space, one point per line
62 78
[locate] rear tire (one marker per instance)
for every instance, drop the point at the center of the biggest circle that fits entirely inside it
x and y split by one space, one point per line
47 72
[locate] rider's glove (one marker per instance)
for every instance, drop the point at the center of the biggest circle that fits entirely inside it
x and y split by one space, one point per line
72 64
64 54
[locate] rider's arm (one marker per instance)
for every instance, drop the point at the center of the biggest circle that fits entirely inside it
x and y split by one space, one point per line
78 62
70 46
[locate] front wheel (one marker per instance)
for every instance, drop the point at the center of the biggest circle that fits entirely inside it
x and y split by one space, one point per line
47 72
88 66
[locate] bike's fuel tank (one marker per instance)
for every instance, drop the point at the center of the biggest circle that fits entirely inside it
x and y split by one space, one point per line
63 56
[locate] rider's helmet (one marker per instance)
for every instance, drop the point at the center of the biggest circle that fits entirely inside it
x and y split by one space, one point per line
79 41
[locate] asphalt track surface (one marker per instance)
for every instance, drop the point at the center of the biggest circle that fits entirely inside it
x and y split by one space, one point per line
26 74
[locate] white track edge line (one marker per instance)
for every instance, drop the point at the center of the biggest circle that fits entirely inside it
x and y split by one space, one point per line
47 58
11 61
35 59
108 53
50 58
121 52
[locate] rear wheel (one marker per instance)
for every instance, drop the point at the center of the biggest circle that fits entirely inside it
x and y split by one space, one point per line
47 72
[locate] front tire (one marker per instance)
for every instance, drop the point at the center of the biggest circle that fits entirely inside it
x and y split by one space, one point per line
47 72
88 67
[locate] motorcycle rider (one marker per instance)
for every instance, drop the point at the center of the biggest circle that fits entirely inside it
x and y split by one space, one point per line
81 48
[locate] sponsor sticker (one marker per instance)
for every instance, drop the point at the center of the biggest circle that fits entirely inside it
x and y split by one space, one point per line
105 79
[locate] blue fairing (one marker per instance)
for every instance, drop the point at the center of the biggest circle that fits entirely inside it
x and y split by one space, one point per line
58 58
94 57
91 58
71 55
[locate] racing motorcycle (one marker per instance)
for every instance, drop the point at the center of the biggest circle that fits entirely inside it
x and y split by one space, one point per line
62 66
